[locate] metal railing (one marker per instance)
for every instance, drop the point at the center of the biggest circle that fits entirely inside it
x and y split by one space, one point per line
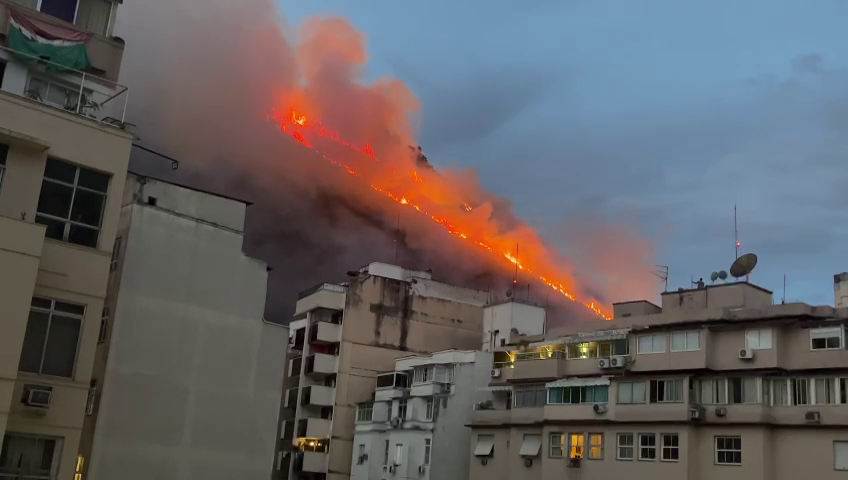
74 91
541 355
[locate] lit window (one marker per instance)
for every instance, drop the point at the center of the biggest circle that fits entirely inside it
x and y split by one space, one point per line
666 391
51 338
575 445
829 338
670 447
647 446
685 341
631 392
651 343
625 447
728 450
758 339
72 202
596 446
557 445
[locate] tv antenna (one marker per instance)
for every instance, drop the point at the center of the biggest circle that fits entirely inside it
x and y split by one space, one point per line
661 272
743 266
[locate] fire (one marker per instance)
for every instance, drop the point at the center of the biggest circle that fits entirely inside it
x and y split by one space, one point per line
298 126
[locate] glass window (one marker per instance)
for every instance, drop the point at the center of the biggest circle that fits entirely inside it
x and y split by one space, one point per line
427 448
104 325
651 343
666 391
573 395
800 388
825 391
71 203
742 390
93 16
728 450
399 454
713 391
596 446
828 338
557 445
4 151
625 446
529 396
685 341
647 446
780 392
429 407
365 412
402 409
631 392
575 445
25 456
840 455
51 338
670 447
758 339
386 455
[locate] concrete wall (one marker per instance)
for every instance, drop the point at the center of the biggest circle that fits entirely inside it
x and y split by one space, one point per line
499 320
193 377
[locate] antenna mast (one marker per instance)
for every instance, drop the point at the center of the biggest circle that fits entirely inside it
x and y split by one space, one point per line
515 276
661 272
735 231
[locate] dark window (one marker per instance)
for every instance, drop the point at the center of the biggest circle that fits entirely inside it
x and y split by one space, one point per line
4 149
62 9
27 457
71 202
51 338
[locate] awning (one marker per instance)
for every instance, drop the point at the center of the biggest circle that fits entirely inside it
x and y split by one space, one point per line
578 382
485 444
531 446
496 388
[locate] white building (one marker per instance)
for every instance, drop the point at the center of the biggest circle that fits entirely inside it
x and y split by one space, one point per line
416 426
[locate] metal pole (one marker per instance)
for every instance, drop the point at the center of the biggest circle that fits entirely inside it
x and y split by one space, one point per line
126 100
735 232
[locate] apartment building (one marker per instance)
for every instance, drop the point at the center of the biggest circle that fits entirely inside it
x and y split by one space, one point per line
717 383
418 416
187 374
64 153
347 335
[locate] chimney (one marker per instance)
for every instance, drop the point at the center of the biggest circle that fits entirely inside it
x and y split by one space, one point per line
840 289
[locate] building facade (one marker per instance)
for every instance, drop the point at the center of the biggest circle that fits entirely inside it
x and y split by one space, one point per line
187 373
63 164
718 383
418 416
347 335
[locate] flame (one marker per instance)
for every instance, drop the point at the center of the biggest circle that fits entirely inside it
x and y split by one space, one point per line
297 124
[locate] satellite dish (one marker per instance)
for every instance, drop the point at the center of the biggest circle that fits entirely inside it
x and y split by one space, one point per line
714 276
722 275
508 293
743 265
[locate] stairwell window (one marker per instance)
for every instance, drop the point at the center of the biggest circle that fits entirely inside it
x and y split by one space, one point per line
827 338
52 338
4 151
427 449
654 343
666 391
685 341
72 202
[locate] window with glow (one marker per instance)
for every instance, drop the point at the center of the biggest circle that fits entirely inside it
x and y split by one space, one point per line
596 446
575 445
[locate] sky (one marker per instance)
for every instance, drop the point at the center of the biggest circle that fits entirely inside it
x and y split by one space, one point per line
658 114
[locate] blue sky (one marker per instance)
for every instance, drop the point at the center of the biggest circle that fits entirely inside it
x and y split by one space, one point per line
660 114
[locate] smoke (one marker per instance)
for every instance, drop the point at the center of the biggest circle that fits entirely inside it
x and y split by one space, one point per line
212 82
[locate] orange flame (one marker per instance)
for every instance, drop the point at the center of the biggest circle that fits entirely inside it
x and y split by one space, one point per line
302 125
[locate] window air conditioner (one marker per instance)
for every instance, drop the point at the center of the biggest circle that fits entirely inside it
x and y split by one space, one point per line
746 354
696 413
812 417
721 411
38 397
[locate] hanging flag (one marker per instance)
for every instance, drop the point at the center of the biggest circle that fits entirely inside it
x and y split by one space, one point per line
33 39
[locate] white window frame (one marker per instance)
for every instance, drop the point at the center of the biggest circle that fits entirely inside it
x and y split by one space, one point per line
625 386
795 391
402 409
619 445
556 442
398 454
654 447
828 332
51 312
727 450
664 447
687 337
54 466
837 445
429 408
760 334
663 383
423 374
659 343
428 446
365 412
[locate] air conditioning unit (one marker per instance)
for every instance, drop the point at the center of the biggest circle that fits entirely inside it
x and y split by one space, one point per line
604 363
721 411
696 413
812 417
746 354
38 397
573 463
396 422
618 361
599 408
496 373
422 469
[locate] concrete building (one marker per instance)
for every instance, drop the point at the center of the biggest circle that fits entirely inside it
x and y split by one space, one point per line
187 374
347 335
840 289
63 164
717 383
418 416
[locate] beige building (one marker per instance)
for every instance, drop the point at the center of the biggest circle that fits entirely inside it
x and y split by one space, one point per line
347 335
62 169
718 383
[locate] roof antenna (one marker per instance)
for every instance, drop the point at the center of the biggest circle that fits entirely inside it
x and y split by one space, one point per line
783 302
736 232
661 272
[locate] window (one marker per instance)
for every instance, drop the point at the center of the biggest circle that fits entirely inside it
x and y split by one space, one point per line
596 446
670 447
713 391
758 339
829 338
625 447
651 343
51 338
742 390
92 396
647 446
116 253
825 391
685 341
530 396
557 445
728 450
30 457
800 388
71 203
571 395
485 446
575 445
666 391
365 412
402 409
398 453
840 455
104 325
360 459
427 447
780 392
61 95
386 456
843 390
604 349
430 404
423 375
93 16
631 392
4 151
530 446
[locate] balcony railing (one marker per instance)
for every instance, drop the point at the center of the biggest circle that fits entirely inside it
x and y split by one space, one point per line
73 91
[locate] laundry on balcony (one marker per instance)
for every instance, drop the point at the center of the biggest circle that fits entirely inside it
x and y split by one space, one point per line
33 39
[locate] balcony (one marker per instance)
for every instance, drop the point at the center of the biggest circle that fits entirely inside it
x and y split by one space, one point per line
105 53
297 338
317 396
291 397
313 428
325 333
320 365
312 462
323 296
